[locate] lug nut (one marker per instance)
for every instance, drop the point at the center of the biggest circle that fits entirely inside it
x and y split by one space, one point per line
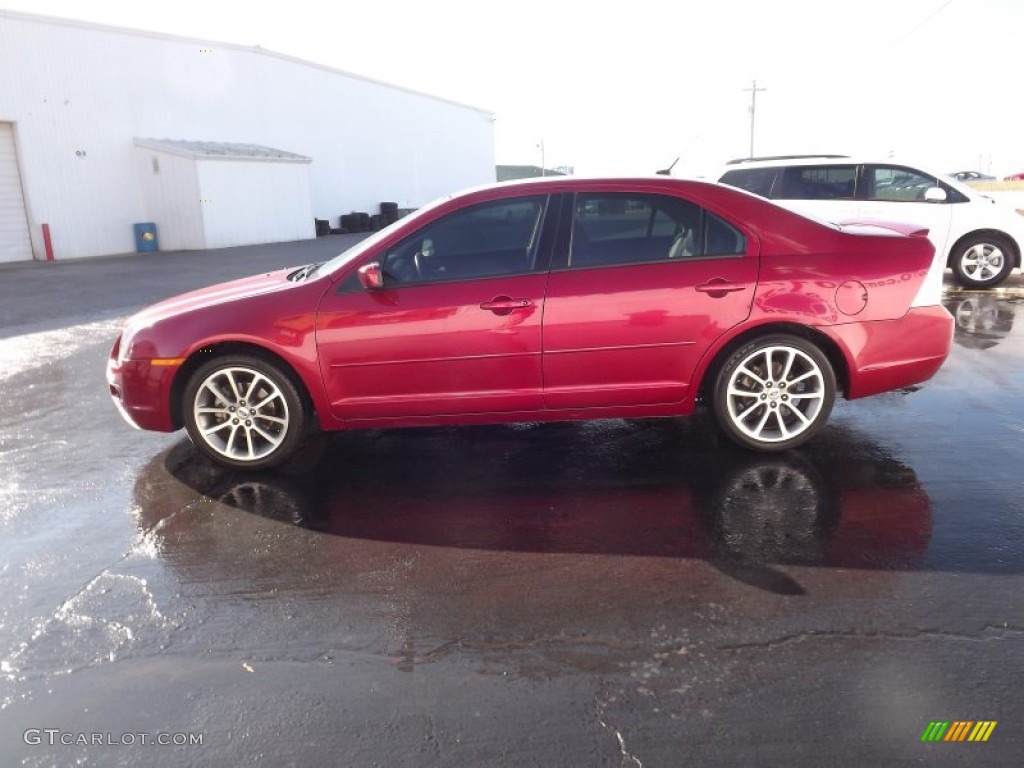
234 421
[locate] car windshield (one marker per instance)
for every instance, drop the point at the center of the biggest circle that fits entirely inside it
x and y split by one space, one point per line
357 250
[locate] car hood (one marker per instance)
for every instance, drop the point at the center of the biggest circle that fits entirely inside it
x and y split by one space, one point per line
220 293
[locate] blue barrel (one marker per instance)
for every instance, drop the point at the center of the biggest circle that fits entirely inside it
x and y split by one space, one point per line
145 237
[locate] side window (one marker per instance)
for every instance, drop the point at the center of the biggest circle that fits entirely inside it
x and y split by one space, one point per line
756 180
621 228
818 182
722 239
486 240
891 183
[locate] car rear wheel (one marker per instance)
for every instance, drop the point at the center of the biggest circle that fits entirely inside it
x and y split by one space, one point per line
243 411
982 262
774 393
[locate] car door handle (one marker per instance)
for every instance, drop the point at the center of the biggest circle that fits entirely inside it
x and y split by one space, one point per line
505 304
717 287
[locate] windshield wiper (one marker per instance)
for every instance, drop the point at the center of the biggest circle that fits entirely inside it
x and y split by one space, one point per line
304 273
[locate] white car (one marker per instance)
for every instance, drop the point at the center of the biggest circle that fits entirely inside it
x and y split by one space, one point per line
977 237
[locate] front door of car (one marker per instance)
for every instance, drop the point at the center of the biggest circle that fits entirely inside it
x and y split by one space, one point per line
897 193
646 285
454 329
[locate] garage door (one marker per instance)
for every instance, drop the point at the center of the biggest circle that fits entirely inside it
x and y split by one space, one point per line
14 241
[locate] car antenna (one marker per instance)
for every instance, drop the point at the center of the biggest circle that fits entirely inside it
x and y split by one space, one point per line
667 171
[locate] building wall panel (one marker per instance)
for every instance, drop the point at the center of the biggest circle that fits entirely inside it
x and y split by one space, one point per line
171 199
81 94
254 202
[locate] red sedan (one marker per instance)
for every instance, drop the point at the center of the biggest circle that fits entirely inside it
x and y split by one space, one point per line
552 299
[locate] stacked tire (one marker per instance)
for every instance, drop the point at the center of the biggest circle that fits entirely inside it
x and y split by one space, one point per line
388 213
356 221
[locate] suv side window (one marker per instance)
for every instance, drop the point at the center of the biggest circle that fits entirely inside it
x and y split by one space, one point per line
756 180
817 182
896 183
624 228
486 240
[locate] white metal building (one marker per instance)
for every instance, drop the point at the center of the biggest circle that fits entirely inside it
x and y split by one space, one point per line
102 128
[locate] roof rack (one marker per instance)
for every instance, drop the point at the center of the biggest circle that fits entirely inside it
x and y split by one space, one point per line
739 160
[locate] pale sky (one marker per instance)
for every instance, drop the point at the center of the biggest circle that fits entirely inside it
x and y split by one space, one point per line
627 87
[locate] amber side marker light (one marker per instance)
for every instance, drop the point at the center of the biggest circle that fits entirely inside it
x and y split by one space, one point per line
167 361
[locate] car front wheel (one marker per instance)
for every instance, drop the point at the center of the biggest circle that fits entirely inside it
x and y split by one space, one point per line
774 393
982 262
244 412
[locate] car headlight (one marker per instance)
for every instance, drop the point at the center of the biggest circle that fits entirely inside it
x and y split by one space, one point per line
127 335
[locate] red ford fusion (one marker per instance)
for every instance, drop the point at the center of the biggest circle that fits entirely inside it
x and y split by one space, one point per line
545 300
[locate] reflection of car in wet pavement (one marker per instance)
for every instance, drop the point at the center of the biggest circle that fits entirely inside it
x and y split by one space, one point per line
637 489
650 296
982 321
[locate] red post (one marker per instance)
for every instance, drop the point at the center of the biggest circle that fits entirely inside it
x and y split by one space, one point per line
47 243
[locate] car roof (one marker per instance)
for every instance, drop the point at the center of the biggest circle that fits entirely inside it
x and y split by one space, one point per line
582 183
787 161
790 161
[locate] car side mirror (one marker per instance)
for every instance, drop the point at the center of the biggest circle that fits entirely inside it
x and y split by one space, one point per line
371 276
935 195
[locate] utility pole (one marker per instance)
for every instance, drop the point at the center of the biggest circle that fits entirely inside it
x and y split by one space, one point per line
753 108
540 146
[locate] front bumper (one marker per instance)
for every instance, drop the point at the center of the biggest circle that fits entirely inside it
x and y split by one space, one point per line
141 391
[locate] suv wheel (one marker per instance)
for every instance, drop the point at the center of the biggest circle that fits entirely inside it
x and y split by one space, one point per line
982 261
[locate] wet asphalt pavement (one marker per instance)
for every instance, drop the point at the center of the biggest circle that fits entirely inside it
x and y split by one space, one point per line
604 594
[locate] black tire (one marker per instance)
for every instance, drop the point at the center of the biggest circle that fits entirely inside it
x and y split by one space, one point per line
244 412
982 261
773 393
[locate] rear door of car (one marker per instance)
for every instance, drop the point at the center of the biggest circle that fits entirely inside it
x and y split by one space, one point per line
640 287
456 328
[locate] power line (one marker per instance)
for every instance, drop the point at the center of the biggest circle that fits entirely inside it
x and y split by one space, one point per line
924 21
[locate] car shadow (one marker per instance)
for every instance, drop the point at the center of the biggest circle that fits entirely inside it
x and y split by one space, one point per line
655 488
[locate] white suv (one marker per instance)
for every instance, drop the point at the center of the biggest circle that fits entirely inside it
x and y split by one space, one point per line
977 237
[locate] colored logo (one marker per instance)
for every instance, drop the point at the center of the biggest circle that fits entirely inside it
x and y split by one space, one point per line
958 730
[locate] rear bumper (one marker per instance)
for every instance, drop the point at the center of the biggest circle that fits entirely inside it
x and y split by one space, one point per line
141 392
891 354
